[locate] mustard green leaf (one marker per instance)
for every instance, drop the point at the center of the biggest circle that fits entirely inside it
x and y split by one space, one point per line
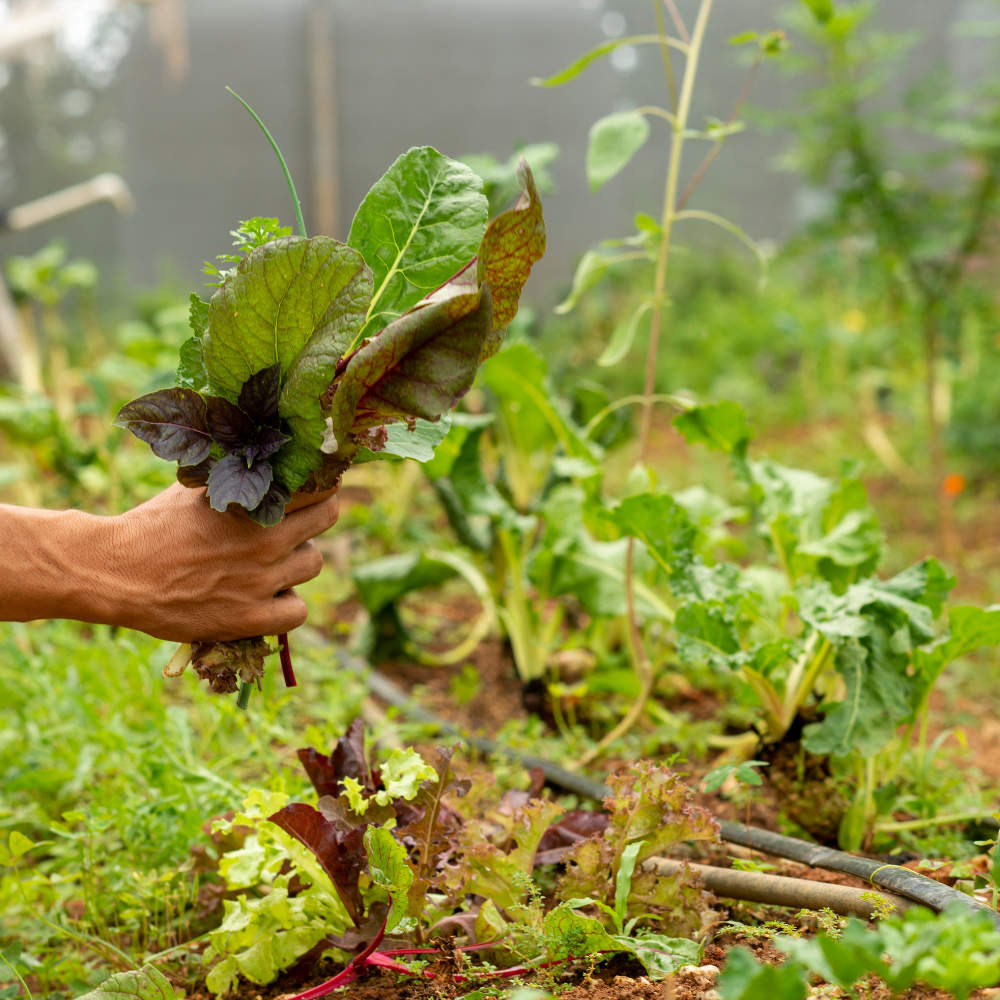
297 302
420 223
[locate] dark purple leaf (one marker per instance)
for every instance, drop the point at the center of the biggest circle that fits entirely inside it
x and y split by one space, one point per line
346 761
193 476
230 426
271 509
270 440
259 395
172 421
339 849
578 824
232 482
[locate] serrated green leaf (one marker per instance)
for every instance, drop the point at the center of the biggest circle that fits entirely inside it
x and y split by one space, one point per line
148 983
382 581
421 222
390 869
402 773
572 935
613 141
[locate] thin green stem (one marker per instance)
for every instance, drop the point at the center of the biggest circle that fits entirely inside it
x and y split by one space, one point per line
17 974
669 201
281 160
668 68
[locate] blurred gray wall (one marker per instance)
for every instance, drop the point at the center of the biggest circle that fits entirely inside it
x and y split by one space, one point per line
448 73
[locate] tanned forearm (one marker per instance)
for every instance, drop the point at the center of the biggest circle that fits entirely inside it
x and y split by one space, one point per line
172 567
57 564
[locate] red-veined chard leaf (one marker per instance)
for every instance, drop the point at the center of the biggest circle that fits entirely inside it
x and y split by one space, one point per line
147 983
233 481
296 303
421 222
420 365
173 422
338 848
390 870
514 240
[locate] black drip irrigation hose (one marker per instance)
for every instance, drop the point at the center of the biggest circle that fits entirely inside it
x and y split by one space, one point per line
893 878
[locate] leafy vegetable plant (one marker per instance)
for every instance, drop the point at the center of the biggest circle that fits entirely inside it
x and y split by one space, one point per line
314 354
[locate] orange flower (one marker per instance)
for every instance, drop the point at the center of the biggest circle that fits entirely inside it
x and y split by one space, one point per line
953 484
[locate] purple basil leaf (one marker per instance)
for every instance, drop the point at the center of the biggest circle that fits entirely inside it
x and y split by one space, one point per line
271 509
230 426
193 476
421 364
232 482
172 421
339 849
270 440
259 395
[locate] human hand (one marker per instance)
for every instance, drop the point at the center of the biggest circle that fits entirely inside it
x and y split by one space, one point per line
185 572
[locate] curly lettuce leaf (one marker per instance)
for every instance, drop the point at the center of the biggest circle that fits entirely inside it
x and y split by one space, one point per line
422 221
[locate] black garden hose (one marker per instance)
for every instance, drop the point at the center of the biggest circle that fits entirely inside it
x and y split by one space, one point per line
892 878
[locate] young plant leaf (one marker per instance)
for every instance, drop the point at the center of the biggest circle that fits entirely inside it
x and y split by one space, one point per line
173 422
572 935
420 223
148 983
719 426
623 337
623 883
614 140
391 871
592 267
663 956
232 481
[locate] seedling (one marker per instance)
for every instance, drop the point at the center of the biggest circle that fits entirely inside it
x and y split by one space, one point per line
315 354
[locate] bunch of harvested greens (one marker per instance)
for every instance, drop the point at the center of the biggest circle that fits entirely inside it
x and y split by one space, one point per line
315 354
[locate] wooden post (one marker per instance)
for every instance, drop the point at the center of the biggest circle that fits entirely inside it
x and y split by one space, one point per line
323 120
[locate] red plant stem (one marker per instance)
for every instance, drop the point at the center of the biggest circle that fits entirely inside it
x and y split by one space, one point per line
286 662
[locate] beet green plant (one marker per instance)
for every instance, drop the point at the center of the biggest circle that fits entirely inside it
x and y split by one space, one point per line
314 354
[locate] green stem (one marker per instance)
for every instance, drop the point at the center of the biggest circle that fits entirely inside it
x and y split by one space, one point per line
243 699
669 212
17 974
668 68
281 160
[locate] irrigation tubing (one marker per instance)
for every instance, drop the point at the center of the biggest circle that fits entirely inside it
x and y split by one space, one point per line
892 878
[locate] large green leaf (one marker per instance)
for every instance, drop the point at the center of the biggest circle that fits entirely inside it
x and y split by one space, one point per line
148 983
571 935
663 956
614 140
720 427
383 581
744 978
421 222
